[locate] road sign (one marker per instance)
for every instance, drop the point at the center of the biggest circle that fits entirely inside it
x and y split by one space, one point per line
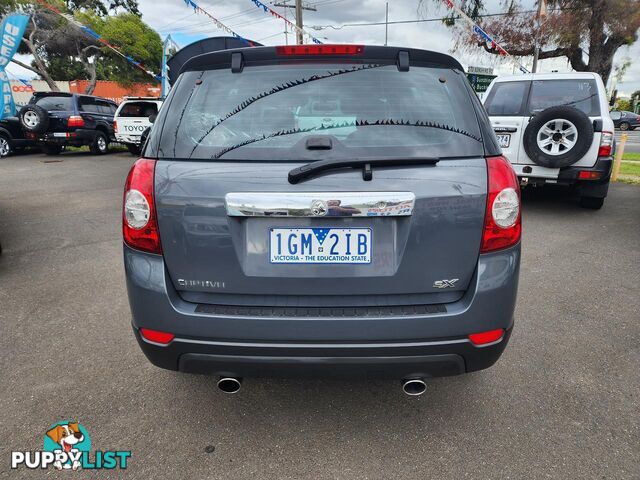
481 70
480 83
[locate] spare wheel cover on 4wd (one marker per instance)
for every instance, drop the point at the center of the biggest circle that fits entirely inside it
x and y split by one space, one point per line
34 118
558 137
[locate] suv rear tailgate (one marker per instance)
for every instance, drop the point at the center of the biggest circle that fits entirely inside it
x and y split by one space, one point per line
207 251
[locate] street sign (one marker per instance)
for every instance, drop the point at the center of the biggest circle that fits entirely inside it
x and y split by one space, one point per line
480 83
481 70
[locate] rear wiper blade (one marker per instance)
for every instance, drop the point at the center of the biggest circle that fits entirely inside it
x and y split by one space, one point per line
311 169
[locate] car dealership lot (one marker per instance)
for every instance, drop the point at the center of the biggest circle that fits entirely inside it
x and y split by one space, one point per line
563 400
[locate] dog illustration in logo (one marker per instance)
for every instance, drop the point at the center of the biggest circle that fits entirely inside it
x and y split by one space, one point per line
66 436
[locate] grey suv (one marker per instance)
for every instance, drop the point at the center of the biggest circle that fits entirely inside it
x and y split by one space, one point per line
331 210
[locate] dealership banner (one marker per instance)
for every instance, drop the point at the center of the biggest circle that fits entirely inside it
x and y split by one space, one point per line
11 30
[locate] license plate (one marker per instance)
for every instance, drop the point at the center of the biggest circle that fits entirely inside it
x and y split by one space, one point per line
504 139
320 245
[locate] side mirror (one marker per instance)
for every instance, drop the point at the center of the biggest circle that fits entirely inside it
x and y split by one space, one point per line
152 118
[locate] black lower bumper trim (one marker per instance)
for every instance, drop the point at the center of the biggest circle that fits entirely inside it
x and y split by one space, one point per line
411 360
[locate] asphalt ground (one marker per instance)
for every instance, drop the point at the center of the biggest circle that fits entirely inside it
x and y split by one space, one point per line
562 402
633 140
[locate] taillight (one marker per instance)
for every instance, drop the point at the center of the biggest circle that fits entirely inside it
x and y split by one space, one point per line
502 223
162 338
115 126
320 50
75 121
484 338
606 144
139 224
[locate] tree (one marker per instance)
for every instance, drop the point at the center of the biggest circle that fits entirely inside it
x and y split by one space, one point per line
61 50
587 32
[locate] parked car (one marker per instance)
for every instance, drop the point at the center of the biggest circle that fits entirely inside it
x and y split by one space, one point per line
322 211
625 120
58 119
12 137
133 117
555 128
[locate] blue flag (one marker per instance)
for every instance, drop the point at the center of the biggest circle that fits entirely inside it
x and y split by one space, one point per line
11 32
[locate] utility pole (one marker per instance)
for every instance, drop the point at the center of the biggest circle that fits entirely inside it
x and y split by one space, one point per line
536 46
386 27
299 8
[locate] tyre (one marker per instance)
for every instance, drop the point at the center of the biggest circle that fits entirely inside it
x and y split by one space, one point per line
100 144
34 118
558 137
5 145
624 126
133 149
592 203
52 149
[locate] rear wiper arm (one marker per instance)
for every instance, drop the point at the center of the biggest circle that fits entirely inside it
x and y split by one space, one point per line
311 169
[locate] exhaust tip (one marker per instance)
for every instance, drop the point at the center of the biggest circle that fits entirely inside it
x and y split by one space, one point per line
229 384
414 387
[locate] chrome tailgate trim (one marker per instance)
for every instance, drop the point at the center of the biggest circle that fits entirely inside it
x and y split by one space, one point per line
320 204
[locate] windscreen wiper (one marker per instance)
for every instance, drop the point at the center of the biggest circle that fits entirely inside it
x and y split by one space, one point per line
311 169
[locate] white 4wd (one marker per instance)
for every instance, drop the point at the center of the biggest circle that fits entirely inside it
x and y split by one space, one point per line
555 128
132 123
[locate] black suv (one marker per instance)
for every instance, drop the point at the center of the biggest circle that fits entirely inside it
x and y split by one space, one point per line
12 137
56 119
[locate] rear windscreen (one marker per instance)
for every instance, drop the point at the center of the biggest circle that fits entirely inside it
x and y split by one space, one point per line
581 94
270 111
53 103
138 109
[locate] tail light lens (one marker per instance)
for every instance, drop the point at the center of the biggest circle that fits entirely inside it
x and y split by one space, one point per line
139 221
115 126
484 338
298 50
163 338
502 223
75 121
606 144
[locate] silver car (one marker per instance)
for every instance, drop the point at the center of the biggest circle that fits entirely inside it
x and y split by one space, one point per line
322 211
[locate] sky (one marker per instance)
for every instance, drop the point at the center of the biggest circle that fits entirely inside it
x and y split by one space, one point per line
328 24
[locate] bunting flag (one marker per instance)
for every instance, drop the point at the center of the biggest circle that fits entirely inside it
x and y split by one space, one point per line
88 31
484 35
11 31
275 14
218 23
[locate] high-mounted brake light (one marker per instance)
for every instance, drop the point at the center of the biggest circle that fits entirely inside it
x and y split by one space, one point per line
606 144
163 338
75 121
502 223
139 224
484 338
297 50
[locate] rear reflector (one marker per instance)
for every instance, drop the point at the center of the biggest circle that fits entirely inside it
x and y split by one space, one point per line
502 218
483 338
589 175
320 50
155 336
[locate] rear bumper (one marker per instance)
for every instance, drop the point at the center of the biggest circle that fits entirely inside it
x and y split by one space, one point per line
132 139
400 360
393 346
80 136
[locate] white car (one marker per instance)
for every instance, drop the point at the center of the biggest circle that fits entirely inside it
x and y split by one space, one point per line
131 122
555 128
